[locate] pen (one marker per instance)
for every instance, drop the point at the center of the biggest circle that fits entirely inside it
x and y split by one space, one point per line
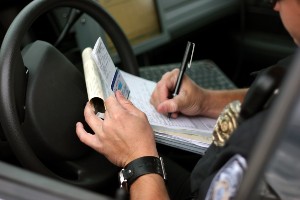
188 54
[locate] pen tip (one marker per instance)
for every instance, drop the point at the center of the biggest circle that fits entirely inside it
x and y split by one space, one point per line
169 115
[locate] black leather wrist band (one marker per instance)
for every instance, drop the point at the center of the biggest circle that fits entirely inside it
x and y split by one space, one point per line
140 167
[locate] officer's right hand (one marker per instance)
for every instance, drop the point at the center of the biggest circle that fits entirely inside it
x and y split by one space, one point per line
190 100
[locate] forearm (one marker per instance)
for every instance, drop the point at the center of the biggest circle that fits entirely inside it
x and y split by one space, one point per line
216 100
150 186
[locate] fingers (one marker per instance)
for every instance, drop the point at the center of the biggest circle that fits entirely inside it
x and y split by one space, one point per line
93 121
170 78
125 103
160 97
112 106
164 87
85 137
168 106
114 135
188 98
118 103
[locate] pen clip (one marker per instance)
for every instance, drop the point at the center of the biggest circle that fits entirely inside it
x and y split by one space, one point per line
190 63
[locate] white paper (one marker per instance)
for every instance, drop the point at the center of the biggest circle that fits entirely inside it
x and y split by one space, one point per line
112 79
104 62
141 91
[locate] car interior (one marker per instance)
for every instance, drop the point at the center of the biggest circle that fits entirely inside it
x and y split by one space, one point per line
43 93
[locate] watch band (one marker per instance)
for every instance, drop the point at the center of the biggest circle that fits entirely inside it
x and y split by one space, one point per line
140 167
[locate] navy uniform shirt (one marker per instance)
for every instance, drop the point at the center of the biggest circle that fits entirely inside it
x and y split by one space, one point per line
220 171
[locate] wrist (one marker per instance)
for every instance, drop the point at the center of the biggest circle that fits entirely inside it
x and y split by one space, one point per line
140 167
149 187
205 100
214 102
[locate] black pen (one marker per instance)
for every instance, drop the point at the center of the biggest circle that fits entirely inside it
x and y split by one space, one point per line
188 54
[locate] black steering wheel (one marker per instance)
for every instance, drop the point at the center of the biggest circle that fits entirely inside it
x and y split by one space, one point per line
40 103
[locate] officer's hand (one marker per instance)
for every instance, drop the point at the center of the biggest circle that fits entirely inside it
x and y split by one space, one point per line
190 100
124 134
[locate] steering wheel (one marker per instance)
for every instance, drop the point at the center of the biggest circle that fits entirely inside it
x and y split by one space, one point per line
40 106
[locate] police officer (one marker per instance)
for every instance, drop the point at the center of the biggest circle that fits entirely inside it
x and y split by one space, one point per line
126 139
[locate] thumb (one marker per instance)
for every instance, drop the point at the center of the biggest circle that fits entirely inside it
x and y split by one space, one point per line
168 106
175 105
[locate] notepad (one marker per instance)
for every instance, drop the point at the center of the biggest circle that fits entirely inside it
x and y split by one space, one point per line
192 134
